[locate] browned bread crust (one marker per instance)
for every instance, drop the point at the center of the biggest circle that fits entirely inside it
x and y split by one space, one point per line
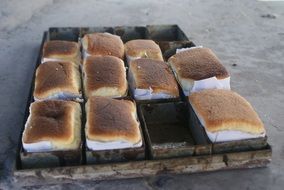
155 74
104 72
112 120
143 48
103 44
55 77
225 110
198 64
58 49
51 120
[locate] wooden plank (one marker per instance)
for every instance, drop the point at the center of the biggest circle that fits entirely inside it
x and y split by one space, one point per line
145 168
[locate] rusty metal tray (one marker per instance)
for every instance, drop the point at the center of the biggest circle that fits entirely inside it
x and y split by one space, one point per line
50 159
166 130
198 156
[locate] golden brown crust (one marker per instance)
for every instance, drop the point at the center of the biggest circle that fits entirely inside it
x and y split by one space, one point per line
105 72
50 120
55 77
143 48
154 74
198 64
103 44
60 49
225 110
112 120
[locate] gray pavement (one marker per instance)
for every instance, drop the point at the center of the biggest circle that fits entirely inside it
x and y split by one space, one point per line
247 33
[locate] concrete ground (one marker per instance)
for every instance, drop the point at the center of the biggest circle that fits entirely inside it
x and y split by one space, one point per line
247 33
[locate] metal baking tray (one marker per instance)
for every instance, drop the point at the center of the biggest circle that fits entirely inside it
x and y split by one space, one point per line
204 157
50 159
166 130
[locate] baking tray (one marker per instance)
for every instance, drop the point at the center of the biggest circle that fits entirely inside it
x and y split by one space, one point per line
203 158
50 159
166 130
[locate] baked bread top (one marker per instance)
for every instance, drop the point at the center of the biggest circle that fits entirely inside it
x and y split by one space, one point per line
221 110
